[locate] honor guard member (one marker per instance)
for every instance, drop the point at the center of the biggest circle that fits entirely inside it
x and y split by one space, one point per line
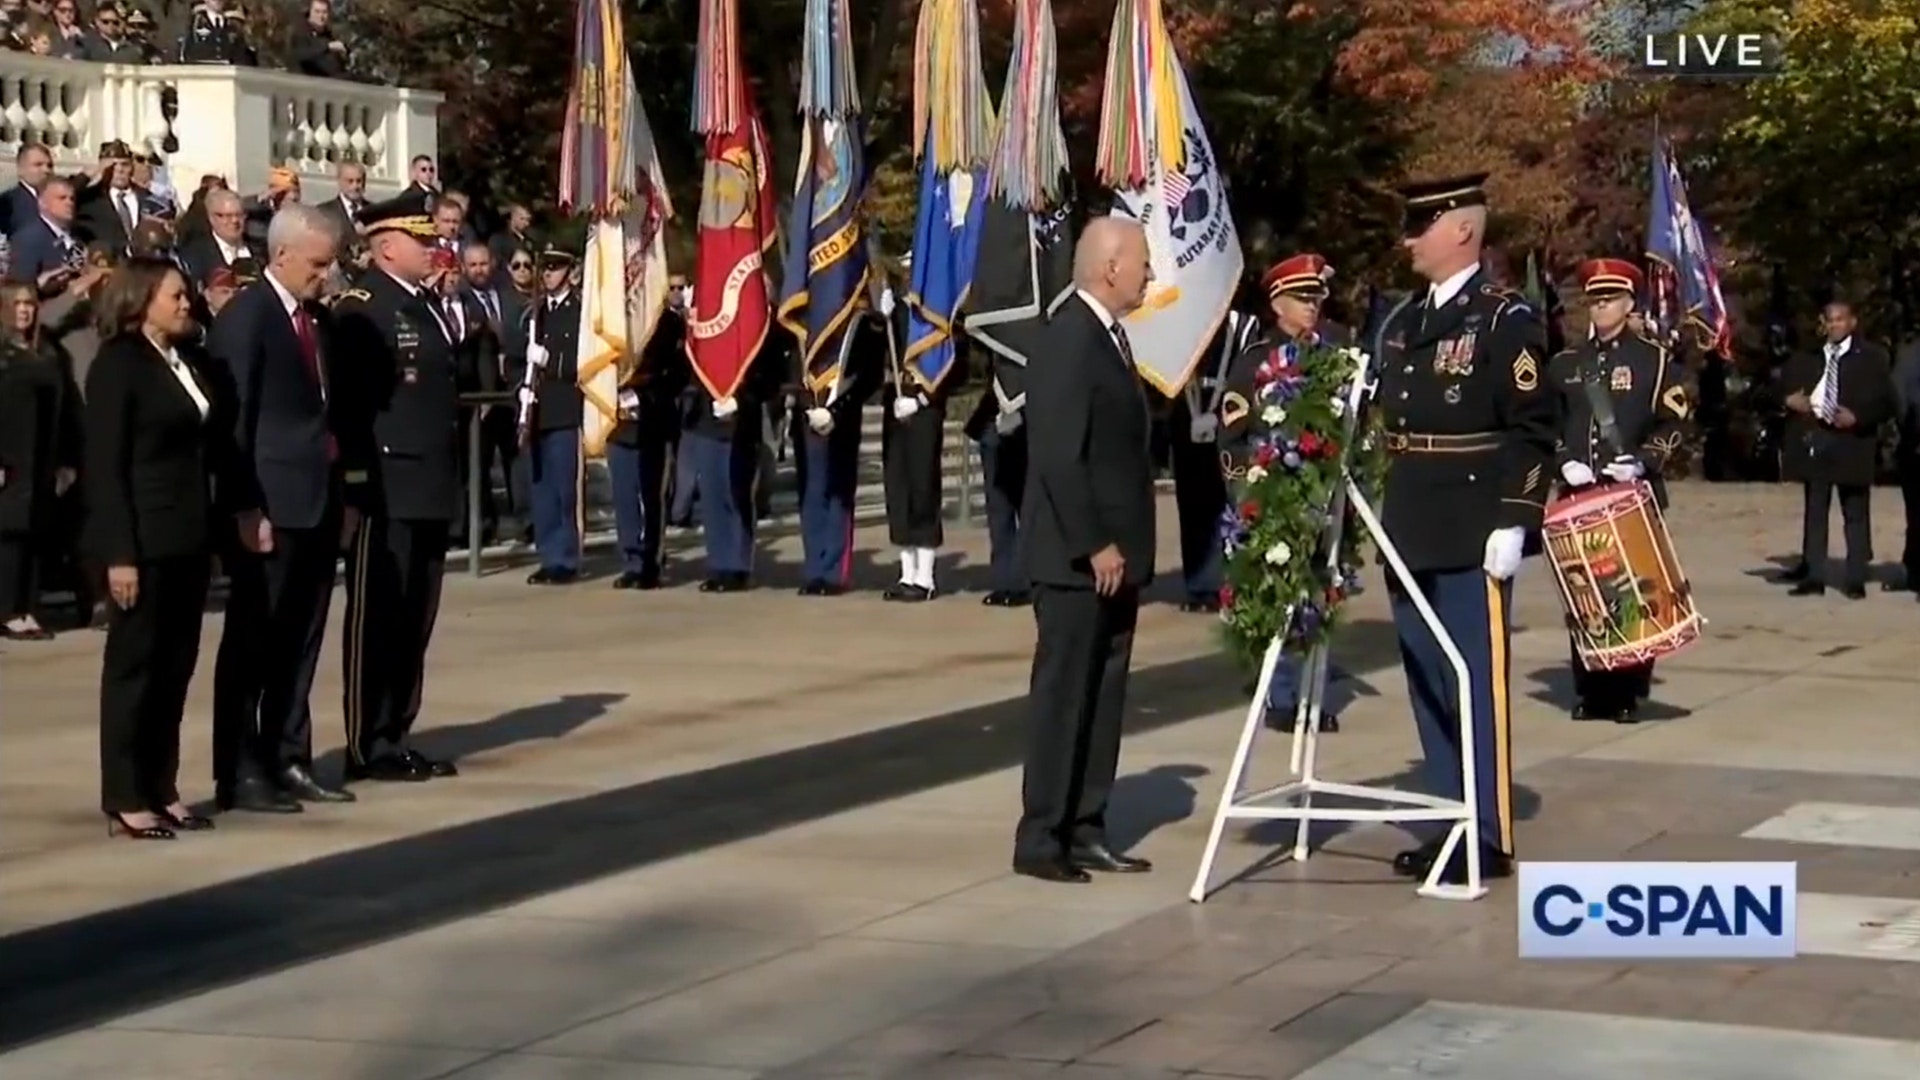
723 439
998 427
912 435
1296 289
827 462
1199 489
553 458
1470 428
1625 412
637 450
406 366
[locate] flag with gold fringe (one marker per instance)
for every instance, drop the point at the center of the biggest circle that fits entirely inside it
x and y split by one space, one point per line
953 134
610 169
732 299
1025 264
825 278
1155 155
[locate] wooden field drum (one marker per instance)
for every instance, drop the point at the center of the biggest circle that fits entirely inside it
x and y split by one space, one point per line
1627 600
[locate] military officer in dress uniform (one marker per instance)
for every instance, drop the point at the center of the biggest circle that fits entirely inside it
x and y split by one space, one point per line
998 427
1625 412
637 451
912 438
406 365
827 458
1296 289
1199 489
722 439
1470 428
553 459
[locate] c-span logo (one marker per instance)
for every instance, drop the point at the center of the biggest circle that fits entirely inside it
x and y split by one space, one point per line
1697 910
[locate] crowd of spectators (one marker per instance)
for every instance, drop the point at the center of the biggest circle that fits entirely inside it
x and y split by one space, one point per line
129 32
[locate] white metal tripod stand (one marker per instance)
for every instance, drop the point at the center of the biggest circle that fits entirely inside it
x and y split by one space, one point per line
1294 800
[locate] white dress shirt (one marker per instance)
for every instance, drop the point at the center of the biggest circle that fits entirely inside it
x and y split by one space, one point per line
1107 320
1833 352
187 381
231 253
1443 291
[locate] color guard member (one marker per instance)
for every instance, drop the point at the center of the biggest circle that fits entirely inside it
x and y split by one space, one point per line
827 459
912 437
553 460
637 451
1471 425
1199 489
1625 412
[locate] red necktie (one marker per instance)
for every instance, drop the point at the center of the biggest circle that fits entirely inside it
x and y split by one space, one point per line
310 355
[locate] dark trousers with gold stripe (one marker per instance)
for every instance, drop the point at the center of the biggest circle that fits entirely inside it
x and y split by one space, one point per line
393 596
1473 609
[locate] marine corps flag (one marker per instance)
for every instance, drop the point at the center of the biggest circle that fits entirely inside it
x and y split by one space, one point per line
1155 155
825 280
610 168
732 301
953 134
1025 265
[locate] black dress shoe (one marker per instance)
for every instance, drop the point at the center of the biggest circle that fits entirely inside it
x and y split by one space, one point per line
1796 572
1100 858
822 588
296 781
1057 870
1628 714
542 576
118 826
1588 710
627 580
1896 586
1201 604
254 796
1808 588
1854 592
725 583
388 769
430 766
1494 865
1415 862
188 822
905 592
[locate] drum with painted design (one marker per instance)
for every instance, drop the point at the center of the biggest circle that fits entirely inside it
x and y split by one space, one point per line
1627 600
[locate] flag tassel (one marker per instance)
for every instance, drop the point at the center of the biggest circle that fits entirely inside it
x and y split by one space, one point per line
1030 151
719 94
1140 131
952 114
827 86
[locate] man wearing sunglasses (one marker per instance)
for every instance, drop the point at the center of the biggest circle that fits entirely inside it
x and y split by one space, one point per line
109 43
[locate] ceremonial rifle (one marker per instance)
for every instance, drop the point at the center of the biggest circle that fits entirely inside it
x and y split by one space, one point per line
527 399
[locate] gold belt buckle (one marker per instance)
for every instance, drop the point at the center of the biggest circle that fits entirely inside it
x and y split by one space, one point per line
1397 443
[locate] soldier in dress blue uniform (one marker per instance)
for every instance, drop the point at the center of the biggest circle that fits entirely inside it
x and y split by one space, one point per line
912 439
1633 373
637 451
1471 424
1199 488
405 365
1296 289
553 459
723 440
827 462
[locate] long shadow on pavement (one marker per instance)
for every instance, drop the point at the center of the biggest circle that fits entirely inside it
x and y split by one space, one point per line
92 969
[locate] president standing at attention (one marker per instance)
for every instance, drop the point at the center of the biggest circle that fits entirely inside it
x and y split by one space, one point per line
1471 424
1089 523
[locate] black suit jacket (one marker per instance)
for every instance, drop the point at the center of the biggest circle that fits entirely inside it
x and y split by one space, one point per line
1089 460
283 417
36 250
19 205
336 209
201 255
151 459
1815 449
97 219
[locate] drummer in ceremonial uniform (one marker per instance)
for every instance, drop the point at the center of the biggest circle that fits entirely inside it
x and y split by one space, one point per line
406 365
1470 428
1296 289
1630 377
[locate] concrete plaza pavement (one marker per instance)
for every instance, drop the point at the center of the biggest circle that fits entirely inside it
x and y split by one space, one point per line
763 836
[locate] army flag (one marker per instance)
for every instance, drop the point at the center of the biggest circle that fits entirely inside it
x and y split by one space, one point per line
953 134
1025 265
732 300
610 169
1155 155
826 272
1686 286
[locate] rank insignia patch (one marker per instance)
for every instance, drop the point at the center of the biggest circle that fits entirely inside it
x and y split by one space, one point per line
1621 379
1675 399
1526 372
1233 408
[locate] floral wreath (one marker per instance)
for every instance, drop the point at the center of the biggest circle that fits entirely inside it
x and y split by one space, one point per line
1279 583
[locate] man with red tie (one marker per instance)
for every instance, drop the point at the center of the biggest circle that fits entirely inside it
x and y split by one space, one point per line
303 450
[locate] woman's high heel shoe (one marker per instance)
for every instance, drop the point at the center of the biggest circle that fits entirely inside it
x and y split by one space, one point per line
119 826
187 822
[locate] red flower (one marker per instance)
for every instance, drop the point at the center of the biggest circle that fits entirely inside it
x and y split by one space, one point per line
1250 511
1226 596
1265 456
1309 444
1329 448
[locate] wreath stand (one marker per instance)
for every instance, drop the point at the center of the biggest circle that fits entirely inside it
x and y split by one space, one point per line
1294 800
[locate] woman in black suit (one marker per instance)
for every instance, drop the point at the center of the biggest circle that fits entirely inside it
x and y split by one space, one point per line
39 456
157 433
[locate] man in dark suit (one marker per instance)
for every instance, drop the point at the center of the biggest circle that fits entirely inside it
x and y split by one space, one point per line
305 452
351 181
405 364
20 205
107 214
423 183
482 371
1906 462
224 246
1089 523
44 250
1837 399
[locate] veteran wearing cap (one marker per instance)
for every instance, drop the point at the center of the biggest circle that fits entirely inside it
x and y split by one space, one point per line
390 326
550 371
1296 291
108 211
1470 428
1625 412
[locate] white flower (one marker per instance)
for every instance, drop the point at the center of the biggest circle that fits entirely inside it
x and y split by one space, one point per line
1273 416
1279 553
1339 404
1255 474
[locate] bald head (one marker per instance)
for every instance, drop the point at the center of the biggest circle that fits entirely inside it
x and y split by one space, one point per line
1110 264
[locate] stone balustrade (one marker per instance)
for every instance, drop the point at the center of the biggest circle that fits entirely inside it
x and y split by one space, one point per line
234 122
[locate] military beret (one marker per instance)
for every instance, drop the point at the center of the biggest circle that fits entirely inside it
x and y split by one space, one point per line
1302 275
1427 200
1610 277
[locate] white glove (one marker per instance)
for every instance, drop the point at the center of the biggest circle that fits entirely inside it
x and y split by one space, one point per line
1503 552
537 355
904 407
1576 474
1203 428
724 409
820 420
1623 469
525 396
1008 422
